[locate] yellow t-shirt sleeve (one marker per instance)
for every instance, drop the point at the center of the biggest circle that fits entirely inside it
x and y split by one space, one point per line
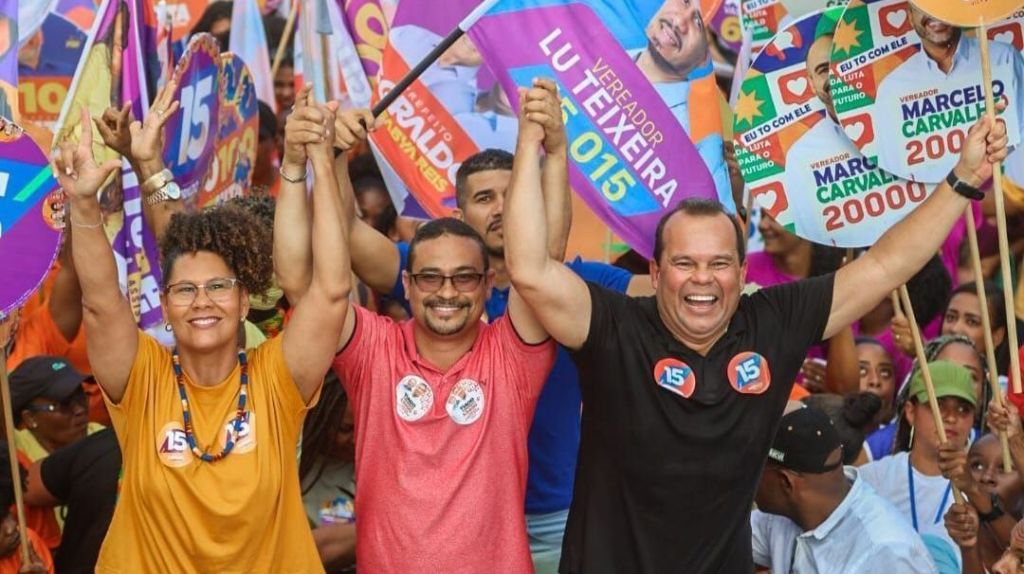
267 363
152 363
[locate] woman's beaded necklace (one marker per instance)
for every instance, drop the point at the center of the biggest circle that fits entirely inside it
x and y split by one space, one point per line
239 416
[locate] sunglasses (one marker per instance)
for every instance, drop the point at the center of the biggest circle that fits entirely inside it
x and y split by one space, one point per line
67 406
432 282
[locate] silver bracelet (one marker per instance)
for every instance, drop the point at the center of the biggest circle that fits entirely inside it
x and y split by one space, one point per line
300 179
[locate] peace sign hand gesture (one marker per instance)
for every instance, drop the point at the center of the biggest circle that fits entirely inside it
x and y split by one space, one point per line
147 138
75 166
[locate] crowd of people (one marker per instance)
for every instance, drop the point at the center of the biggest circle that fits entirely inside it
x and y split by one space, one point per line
502 407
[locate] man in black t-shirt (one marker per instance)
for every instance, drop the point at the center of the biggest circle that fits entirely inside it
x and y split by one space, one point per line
683 391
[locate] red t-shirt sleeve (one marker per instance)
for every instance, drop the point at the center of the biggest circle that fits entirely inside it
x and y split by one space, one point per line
531 363
368 339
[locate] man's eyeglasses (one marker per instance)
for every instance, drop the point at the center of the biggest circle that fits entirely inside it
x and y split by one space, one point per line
67 406
218 290
462 282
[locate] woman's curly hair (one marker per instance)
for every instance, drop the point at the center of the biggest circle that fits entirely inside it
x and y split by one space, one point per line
238 237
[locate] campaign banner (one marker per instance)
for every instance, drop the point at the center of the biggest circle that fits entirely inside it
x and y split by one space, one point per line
642 119
1011 31
368 26
453 111
31 16
9 59
800 8
230 173
46 65
31 216
81 13
183 14
191 133
726 25
906 108
969 13
800 167
763 18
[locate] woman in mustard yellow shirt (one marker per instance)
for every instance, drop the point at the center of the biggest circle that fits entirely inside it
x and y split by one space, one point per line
209 432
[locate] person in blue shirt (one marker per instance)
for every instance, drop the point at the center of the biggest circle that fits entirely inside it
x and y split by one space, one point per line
554 437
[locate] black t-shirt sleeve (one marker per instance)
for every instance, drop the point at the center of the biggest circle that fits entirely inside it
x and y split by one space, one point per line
58 472
803 308
604 306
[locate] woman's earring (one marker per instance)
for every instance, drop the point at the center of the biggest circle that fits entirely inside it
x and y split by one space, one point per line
911 444
167 327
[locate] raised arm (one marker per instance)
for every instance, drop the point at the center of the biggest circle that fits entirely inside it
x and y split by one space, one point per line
905 248
110 329
558 297
555 178
311 338
293 255
65 303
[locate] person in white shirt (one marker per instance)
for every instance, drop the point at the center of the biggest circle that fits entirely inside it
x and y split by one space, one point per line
949 62
912 481
814 515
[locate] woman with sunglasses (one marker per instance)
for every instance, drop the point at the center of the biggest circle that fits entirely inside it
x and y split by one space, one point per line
208 432
51 411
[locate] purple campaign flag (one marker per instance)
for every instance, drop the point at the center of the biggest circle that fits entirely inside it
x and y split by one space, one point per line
631 159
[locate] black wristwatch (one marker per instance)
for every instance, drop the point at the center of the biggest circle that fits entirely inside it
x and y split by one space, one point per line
995 513
968 191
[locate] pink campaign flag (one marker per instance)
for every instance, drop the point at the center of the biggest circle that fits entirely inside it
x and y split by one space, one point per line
636 82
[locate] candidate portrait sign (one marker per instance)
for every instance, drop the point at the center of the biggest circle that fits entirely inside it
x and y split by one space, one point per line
799 165
902 103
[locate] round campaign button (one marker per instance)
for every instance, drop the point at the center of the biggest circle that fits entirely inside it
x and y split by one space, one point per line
800 167
904 103
246 433
969 12
172 446
749 373
676 376
466 402
414 398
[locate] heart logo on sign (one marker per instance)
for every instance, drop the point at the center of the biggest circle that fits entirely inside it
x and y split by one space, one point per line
894 20
1008 37
771 198
855 131
767 200
794 88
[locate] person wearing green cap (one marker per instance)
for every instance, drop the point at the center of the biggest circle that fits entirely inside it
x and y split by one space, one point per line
912 481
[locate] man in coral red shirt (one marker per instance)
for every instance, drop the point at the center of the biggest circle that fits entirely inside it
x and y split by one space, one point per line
442 406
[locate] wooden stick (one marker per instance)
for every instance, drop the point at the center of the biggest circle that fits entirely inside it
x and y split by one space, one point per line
1004 243
289 26
12 453
896 311
749 206
986 327
922 362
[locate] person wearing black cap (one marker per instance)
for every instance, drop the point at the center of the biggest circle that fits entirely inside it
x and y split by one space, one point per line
814 515
49 403
52 411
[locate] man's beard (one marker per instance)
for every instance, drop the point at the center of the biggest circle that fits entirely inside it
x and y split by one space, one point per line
663 64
